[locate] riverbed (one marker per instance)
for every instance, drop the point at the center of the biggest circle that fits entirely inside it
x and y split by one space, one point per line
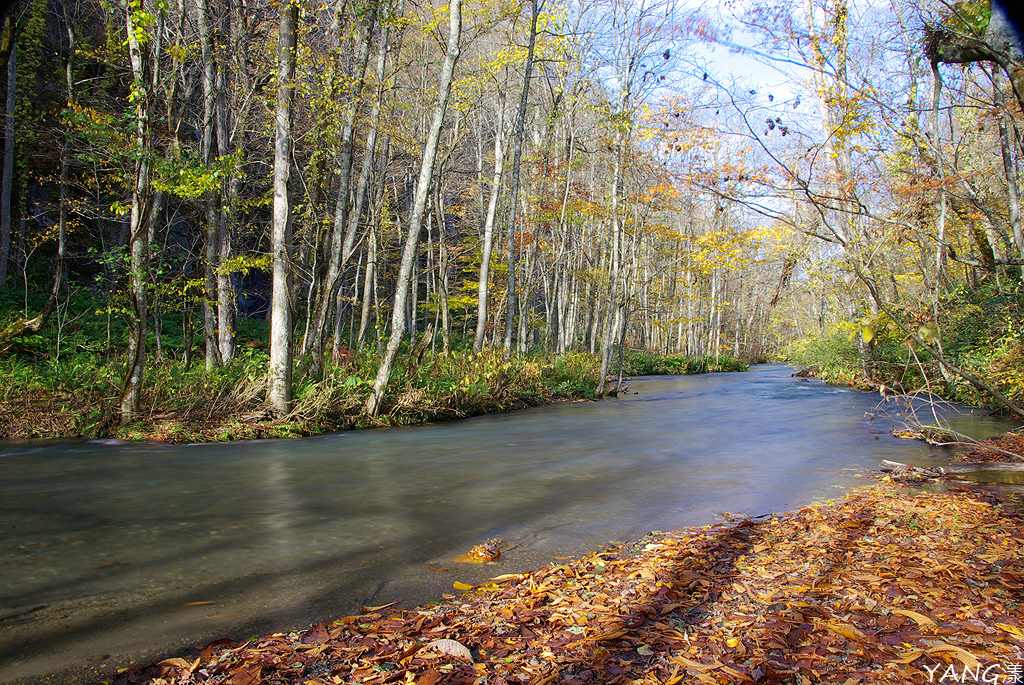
115 552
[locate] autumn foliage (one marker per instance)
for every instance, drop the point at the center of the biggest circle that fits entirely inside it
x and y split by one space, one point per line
883 586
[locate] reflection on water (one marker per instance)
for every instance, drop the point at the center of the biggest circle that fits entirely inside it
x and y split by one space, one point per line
136 547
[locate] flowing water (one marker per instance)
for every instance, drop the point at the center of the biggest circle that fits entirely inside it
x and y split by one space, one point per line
113 552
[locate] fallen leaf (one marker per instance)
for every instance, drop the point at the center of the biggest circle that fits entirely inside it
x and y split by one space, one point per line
921 619
452 648
694 665
965 657
845 630
459 585
908 656
1012 630
180 663
246 677
430 677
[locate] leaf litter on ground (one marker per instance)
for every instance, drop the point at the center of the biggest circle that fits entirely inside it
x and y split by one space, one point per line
1009 448
882 586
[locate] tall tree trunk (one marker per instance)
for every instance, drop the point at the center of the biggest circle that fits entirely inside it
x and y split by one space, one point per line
337 255
369 286
144 68
517 155
62 190
365 171
615 256
1009 171
488 245
279 375
442 281
8 164
419 205
226 303
212 198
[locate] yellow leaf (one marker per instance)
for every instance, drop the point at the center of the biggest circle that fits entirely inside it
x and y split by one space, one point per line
180 663
921 619
1012 630
867 333
733 642
908 656
844 630
459 585
695 665
965 657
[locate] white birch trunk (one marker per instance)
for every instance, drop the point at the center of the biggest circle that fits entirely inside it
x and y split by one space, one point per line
419 205
279 374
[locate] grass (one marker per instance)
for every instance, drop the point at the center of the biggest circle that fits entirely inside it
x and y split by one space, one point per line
981 332
644 363
65 381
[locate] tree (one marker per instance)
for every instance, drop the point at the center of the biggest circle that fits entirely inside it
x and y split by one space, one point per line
143 48
279 374
341 243
9 49
416 218
517 155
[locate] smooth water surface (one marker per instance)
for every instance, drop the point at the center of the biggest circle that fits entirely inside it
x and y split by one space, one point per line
114 552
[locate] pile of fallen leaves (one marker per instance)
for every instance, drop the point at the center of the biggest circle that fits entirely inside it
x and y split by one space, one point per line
882 586
1009 448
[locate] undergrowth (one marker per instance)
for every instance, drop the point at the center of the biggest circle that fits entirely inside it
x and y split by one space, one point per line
982 332
66 381
644 363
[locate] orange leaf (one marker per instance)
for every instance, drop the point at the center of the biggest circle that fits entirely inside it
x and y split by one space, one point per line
952 651
180 663
908 656
921 619
430 677
845 630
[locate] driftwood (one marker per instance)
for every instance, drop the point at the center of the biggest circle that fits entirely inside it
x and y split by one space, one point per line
939 471
18 328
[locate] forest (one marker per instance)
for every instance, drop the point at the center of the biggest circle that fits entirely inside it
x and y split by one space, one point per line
315 214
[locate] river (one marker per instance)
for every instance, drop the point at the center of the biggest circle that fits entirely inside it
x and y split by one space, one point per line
113 552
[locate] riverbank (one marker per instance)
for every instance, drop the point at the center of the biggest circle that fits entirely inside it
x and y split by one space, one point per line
182 404
980 343
885 585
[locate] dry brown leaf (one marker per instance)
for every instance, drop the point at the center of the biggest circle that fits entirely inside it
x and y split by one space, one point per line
952 651
844 630
429 678
246 677
921 619
180 663
908 656
610 632
452 648
694 665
